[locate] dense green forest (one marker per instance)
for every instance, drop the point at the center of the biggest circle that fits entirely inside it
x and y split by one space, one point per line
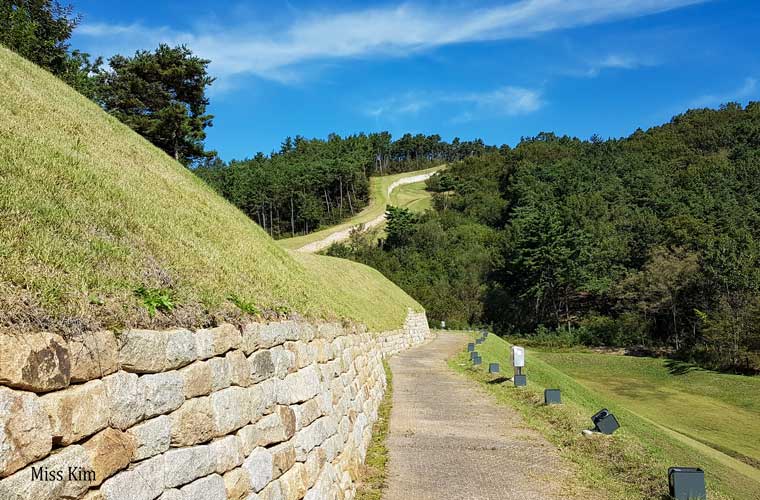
314 182
650 240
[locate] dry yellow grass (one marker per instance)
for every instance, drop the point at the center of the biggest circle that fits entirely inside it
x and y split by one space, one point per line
90 211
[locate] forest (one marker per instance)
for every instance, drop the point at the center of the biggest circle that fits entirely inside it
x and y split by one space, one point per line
315 182
652 240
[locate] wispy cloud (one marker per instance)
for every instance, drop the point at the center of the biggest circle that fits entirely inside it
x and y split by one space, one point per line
391 31
747 90
503 101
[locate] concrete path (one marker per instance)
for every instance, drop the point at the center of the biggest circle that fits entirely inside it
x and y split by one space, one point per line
449 439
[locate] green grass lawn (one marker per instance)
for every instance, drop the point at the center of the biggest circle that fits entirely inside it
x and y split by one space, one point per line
720 410
90 211
411 196
379 199
641 392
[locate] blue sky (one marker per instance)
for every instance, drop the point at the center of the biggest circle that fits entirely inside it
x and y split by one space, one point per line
475 68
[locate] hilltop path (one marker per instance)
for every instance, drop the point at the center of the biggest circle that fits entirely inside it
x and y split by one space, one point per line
372 216
449 439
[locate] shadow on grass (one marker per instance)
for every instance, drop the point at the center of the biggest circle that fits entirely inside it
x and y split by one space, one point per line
676 367
499 380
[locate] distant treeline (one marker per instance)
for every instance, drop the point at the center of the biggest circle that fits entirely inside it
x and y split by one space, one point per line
649 240
313 182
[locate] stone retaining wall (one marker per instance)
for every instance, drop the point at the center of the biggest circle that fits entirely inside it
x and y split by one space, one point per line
269 411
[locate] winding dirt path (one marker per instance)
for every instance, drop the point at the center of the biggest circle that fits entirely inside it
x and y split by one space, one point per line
449 440
343 234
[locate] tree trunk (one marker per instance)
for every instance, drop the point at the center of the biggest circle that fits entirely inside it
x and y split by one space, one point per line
340 183
292 218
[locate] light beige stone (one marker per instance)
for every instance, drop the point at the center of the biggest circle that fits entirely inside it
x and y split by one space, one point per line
37 362
196 379
77 412
192 423
152 437
109 451
144 482
230 410
173 494
238 365
259 467
204 344
180 348
227 453
294 483
307 412
274 428
305 353
207 488
126 397
326 485
164 392
273 491
237 484
298 387
284 361
142 351
283 458
93 355
183 465
314 435
55 482
25 434
221 375
313 465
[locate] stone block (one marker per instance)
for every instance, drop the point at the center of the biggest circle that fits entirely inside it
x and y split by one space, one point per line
22 486
283 458
180 349
307 412
259 466
143 482
313 465
294 483
38 362
298 387
25 434
227 453
163 392
192 423
184 465
237 484
126 397
152 437
314 435
93 355
207 488
284 361
221 375
273 491
204 344
230 410
260 366
142 351
274 428
173 494
325 486
238 365
77 412
225 337
109 451
196 379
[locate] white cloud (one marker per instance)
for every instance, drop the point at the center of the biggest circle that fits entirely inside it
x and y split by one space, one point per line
390 31
503 101
747 90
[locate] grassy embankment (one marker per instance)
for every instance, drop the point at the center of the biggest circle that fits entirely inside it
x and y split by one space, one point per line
379 199
371 482
90 212
661 414
411 196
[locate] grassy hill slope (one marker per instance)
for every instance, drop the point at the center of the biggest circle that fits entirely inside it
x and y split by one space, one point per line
90 212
